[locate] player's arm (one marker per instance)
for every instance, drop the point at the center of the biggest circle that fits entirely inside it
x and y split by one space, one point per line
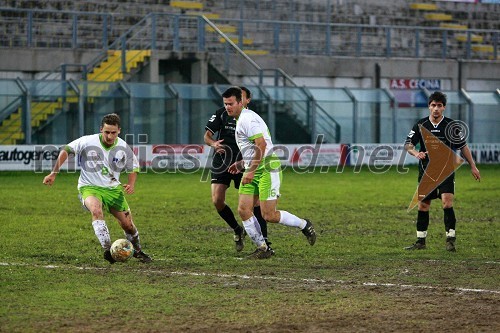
410 148
132 167
236 167
63 156
411 140
216 144
260 148
473 168
129 188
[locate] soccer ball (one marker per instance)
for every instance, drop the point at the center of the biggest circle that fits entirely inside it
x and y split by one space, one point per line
122 250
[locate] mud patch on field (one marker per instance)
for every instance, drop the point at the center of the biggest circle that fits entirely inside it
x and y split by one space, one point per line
350 308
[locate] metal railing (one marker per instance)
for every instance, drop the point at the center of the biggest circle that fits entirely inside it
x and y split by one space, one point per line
186 33
312 117
228 51
176 113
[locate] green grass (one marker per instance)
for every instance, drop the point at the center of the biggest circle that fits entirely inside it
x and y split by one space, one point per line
356 278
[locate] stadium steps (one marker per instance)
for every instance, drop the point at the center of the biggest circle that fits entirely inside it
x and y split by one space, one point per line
187 5
236 40
231 32
210 16
256 52
107 71
438 17
225 28
455 26
473 38
111 68
11 128
195 8
484 48
423 6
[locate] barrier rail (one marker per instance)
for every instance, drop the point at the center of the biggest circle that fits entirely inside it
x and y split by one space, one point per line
187 33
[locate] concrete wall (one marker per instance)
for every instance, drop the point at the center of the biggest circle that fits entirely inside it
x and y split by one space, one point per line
311 71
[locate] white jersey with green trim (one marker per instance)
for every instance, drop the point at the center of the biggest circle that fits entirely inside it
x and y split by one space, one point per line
250 126
101 165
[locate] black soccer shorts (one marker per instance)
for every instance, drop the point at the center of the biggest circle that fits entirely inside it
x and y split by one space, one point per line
447 186
225 178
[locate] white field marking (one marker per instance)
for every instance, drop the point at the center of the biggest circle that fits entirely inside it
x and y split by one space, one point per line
426 260
275 278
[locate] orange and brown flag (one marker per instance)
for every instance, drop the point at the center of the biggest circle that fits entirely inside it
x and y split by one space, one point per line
443 161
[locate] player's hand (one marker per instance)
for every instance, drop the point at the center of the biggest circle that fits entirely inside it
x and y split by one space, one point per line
247 177
236 167
219 147
49 179
129 189
421 155
476 174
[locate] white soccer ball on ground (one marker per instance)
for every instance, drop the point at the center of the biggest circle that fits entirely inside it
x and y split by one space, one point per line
122 250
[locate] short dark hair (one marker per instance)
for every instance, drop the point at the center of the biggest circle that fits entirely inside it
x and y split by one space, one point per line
247 91
437 96
111 119
233 91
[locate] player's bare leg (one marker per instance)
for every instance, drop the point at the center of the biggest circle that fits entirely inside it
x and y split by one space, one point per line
219 196
131 233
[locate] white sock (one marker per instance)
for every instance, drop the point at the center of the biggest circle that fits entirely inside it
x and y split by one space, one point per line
291 220
252 228
102 233
135 240
421 234
450 233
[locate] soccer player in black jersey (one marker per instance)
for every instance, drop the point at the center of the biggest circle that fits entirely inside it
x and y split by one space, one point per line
226 153
443 128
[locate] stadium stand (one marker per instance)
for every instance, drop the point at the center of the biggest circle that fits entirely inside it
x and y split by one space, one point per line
125 13
50 20
475 16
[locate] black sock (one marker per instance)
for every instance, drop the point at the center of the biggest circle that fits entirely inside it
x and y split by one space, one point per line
422 223
227 214
449 219
262 222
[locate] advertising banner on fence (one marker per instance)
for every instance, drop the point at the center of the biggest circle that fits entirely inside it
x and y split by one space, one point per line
485 153
317 155
379 154
168 157
193 157
172 157
29 158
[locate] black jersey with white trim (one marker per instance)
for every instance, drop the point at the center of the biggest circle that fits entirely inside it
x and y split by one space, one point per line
225 126
445 131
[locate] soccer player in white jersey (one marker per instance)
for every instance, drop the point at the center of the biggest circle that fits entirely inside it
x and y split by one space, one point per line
102 158
261 177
